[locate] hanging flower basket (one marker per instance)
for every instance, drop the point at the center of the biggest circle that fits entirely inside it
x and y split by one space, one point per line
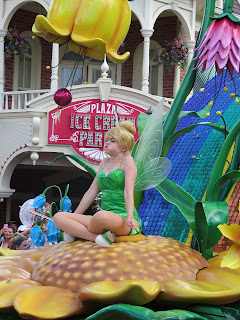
14 44
175 53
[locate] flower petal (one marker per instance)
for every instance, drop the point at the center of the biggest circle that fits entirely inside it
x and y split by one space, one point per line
221 62
23 263
13 273
223 52
232 232
100 25
136 292
214 50
224 276
227 27
60 11
197 292
236 35
76 47
8 252
217 33
234 61
207 36
203 52
217 260
232 258
9 289
46 303
235 50
219 70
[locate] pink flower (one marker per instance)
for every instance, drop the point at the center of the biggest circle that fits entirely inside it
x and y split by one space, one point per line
220 45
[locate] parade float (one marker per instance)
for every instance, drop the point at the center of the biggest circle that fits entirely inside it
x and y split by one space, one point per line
145 277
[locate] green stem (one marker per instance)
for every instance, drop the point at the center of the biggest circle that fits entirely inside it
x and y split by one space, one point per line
50 211
222 158
228 6
188 81
65 196
54 186
36 222
42 223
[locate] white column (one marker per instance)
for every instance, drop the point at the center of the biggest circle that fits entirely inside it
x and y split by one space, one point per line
55 62
219 3
176 81
146 33
2 64
190 45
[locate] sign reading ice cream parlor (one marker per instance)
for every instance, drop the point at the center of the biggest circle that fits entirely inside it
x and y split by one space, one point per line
83 124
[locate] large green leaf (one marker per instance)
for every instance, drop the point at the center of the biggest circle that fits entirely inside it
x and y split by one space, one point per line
130 312
230 313
175 194
208 215
188 81
222 158
226 312
185 130
80 161
234 165
141 122
220 182
207 309
199 114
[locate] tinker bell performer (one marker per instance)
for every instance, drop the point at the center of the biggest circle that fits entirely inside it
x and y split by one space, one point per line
116 178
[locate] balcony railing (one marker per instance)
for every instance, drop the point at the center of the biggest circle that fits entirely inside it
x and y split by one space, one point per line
13 101
17 100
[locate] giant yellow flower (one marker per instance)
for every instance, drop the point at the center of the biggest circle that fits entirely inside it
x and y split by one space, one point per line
93 28
71 278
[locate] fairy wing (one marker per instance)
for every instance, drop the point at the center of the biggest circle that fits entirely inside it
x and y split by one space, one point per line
152 169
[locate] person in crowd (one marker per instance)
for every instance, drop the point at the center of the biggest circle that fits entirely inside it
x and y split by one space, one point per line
13 225
19 242
7 236
22 228
44 230
5 226
25 231
116 179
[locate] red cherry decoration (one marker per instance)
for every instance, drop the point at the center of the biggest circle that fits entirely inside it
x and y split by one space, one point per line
62 97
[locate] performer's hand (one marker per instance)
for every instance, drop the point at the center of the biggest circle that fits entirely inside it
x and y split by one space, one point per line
132 223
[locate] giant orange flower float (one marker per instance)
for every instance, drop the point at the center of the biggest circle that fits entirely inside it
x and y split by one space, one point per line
93 28
80 277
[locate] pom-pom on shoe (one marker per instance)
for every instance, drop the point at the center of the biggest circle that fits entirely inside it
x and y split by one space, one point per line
106 240
68 238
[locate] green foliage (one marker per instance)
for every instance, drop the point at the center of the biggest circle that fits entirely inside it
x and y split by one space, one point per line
80 161
185 130
208 215
129 312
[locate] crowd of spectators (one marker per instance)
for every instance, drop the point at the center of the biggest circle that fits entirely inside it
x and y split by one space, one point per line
17 237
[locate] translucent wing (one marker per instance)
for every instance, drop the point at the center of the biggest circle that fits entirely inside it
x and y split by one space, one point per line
152 169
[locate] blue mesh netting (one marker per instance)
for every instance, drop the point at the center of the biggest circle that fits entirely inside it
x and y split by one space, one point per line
193 157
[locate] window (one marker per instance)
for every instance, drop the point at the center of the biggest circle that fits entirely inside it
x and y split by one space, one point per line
155 73
155 69
74 70
27 71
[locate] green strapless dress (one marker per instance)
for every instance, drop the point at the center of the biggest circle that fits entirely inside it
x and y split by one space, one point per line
112 188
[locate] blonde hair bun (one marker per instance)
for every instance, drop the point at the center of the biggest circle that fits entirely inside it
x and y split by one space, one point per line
129 126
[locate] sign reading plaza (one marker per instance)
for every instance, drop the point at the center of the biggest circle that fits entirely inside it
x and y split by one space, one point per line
84 123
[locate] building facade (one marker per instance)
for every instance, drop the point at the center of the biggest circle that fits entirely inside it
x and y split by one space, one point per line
27 87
